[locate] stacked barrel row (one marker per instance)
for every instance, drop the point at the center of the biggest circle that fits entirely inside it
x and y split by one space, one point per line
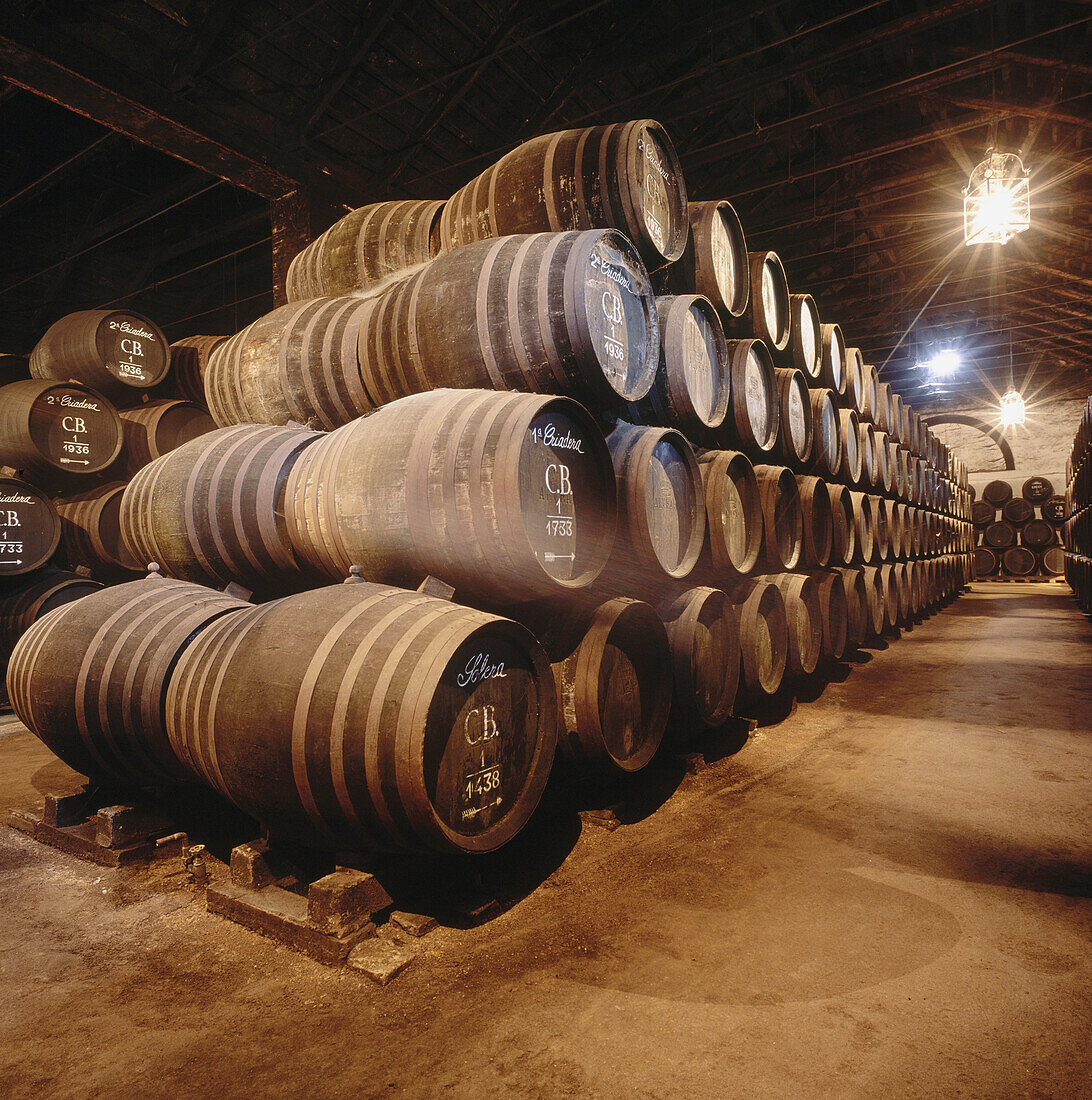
78 417
1018 536
1077 528
577 403
388 719
536 276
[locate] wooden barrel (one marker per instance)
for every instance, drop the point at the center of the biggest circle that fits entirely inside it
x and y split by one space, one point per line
1037 533
612 667
894 415
298 363
91 531
1053 510
818 517
508 494
850 442
902 587
998 493
763 634
885 472
795 417
703 632
30 528
999 536
832 359
1052 561
388 719
856 381
900 524
108 350
986 562
889 605
882 528
766 317
46 427
622 176
714 262
875 400
858 610
692 383
661 501
1037 489
189 361
899 457
733 510
1018 561
159 427
805 621
834 609
880 413
877 599
89 678
864 527
805 344
1018 511
844 540
32 597
782 517
870 469
212 510
566 313
827 457
913 581
755 409
365 247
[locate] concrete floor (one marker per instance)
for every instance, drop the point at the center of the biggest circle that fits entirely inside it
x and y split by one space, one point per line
883 894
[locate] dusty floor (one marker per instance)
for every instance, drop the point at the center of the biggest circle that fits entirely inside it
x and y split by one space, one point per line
883 894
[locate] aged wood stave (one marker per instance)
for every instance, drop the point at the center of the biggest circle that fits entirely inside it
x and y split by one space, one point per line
510 495
733 511
91 532
159 427
692 384
212 510
298 363
89 678
389 720
622 176
661 502
703 633
368 245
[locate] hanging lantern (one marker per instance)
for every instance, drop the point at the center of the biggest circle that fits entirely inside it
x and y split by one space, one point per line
996 200
1012 409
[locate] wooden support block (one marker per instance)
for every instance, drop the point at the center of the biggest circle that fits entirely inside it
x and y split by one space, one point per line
62 811
282 915
123 826
249 868
414 924
341 903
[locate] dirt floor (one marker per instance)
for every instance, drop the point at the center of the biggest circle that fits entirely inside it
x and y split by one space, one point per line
882 893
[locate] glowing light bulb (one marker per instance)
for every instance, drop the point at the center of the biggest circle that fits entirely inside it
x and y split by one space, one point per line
1013 409
944 364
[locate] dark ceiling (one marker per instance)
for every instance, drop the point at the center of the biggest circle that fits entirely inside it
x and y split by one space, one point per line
843 134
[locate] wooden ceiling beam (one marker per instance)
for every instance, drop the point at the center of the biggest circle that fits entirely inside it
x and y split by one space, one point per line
137 119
